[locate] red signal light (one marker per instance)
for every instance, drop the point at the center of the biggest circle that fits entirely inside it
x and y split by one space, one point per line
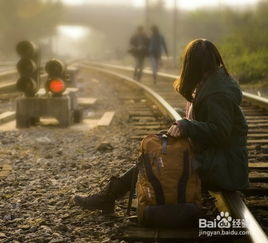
56 86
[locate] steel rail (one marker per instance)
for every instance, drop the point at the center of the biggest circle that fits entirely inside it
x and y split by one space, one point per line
7 73
7 63
256 100
251 98
156 98
11 85
230 201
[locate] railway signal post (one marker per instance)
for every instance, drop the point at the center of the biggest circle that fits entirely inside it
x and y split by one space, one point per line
56 77
53 101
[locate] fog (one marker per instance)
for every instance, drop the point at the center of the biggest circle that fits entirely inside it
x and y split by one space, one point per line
182 4
100 30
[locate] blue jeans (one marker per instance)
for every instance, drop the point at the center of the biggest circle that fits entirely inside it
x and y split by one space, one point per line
155 64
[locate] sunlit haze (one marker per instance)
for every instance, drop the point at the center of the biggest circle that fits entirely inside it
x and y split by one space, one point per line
74 32
68 39
184 4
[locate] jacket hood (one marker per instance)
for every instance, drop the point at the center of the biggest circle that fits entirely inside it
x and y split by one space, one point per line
220 83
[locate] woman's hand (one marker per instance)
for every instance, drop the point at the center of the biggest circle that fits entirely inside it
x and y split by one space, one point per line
175 131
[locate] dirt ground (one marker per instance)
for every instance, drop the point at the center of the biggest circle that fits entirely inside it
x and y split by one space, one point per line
50 165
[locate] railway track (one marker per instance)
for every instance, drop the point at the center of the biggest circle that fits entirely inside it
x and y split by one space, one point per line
255 109
33 218
149 111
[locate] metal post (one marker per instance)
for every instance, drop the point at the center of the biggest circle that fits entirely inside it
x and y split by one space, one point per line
175 33
146 14
220 5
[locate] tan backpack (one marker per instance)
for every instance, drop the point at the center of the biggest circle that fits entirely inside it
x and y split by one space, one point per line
166 175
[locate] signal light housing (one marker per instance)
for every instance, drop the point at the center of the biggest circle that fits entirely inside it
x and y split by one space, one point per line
28 68
26 49
56 77
55 67
27 85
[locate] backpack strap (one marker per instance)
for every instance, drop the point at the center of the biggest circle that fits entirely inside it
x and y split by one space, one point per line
159 194
132 189
164 140
182 184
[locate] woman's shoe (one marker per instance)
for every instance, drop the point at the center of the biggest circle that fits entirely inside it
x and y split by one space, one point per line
94 202
104 200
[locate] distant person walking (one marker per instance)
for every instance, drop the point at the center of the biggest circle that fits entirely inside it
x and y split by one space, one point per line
139 44
157 44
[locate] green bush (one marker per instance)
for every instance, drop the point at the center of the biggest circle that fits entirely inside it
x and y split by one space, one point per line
245 49
248 66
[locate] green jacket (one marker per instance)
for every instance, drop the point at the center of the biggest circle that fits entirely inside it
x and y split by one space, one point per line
219 130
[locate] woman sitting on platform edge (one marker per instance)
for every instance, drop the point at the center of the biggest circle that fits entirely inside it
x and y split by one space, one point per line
214 123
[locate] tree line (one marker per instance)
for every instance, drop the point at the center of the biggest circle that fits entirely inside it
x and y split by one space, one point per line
240 34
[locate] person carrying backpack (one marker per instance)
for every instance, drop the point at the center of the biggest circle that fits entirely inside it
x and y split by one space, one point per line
139 49
214 126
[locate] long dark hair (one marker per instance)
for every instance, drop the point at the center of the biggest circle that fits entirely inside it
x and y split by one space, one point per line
201 58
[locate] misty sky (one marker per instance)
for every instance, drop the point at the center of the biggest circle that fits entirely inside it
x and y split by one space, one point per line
184 4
